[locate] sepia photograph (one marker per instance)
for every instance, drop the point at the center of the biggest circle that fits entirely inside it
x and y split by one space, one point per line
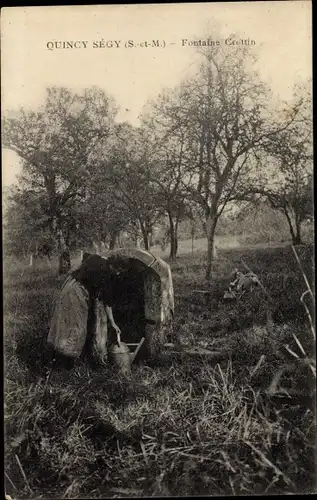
158 250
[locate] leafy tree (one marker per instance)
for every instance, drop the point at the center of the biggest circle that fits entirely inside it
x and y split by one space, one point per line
23 223
257 224
288 182
103 216
224 110
55 143
124 168
169 160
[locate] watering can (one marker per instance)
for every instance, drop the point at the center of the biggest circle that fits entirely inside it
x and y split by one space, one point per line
122 357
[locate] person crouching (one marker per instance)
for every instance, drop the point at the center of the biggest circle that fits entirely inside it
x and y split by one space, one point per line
83 307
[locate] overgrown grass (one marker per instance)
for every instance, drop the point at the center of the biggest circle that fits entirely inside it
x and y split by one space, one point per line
179 426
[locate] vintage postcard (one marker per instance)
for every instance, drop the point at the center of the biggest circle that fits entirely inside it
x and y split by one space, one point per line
158 228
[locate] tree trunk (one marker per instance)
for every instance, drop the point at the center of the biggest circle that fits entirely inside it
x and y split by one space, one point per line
192 232
173 237
137 241
175 245
113 239
145 234
211 224
296 236
146 242
64 261
173 248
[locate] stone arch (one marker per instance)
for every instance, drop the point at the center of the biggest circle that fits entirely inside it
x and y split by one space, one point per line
158 285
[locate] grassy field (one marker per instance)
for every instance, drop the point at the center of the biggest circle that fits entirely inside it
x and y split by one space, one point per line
198 246
177 426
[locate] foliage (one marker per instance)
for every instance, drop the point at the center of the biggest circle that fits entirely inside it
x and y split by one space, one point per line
201 150
170 160
55 143
288 184
126 171
22 228
215 123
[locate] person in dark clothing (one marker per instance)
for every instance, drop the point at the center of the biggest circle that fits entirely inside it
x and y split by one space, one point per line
88 288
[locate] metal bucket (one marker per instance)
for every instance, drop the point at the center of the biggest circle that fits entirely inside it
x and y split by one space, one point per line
121 357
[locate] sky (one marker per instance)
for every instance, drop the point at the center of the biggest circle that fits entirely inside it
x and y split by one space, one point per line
132 75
